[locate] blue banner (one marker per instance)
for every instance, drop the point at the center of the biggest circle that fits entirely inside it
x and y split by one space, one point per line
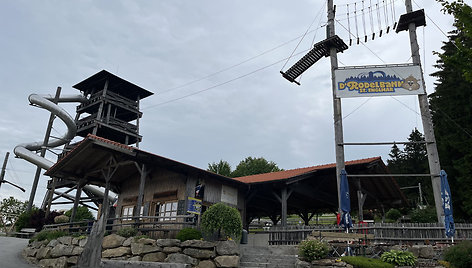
194 206
447 205
345 205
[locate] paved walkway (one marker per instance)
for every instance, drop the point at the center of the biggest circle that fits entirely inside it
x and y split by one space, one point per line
10 253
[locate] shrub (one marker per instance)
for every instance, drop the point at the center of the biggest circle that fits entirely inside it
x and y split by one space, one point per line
32 219
61 219
51 216
22 221
189 234
82 214
127 232
424 215
221 222
364 262
399 257
460 255
49 235
393 214
310 250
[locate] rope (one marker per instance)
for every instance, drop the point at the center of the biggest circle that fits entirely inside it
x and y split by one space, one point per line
379 20
357 27
349 26
371 20
363 21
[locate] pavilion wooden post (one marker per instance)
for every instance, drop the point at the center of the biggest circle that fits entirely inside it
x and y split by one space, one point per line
144 173
285 194
78 193
92 254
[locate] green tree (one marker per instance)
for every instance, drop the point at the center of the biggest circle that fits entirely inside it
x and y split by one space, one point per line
220 221
83 213
451 107
10 209
252 166
413 159
222 168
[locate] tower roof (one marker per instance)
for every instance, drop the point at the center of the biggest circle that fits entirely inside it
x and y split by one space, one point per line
116 84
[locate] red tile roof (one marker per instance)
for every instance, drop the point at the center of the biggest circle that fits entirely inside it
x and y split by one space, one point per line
286 174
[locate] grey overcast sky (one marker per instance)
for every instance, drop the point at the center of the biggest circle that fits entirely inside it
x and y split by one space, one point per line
202 110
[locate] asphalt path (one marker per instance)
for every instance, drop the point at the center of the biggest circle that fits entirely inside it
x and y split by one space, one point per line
10 252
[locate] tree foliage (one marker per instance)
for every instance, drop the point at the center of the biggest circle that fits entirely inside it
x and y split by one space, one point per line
83 213
412 159
221 221
222 168
10 209
253 166
451 107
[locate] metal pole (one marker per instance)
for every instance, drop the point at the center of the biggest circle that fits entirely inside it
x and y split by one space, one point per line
2 175
338 125
43 153
433 157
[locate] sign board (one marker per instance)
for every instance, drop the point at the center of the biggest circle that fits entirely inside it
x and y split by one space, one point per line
194 206
229 195
384 80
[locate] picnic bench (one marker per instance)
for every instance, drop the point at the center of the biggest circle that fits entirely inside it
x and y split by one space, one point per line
26 233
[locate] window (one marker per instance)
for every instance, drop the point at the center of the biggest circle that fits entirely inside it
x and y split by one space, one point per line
168 210
127 211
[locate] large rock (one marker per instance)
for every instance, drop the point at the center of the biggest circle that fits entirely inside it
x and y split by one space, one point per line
53 243
171 249
54 263
135 258
38 244
30 252
181 258
77 250
168 242
116 252
323 262
73 260
227 248
155 257
199 253
128 241
206 264
82 242
197 244
302 264
43 253
227 261
66 240
139 248
62 250
112 241
147 241
427 252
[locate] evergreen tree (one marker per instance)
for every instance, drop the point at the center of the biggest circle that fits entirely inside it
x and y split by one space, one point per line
451 107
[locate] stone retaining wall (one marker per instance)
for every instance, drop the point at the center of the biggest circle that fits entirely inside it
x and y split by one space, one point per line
65 251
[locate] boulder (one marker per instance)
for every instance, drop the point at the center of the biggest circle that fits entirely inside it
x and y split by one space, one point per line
139 248
62 250
227 261
82 242
53 243
37 244
128 241
72 260
426 252
181 258
54 263
323 262
197 244
43 253
302 264
77 250
30 252
168 242
171 249
112 241
116 252
66 240
155 257
135 258
75 241
206 264
199 253
147 241
227 248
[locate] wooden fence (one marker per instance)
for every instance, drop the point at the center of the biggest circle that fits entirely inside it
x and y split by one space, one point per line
384 233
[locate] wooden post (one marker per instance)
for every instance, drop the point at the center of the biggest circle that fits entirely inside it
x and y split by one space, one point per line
43 153
144 172
137 124
431 148
338 124
49 196
78 193
100 109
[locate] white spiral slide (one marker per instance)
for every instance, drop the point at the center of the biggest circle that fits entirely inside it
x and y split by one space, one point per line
27 151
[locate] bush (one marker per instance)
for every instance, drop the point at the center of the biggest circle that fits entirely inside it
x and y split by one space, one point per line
424 215
127 232
189 234
221 222
399 257
82 214
363 262
51 216
33 219
48 235
22 221
61 219
393 214
460 255
310 250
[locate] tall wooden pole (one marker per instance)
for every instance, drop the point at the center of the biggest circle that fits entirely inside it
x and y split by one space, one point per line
431 148
2 175
43 153
338 124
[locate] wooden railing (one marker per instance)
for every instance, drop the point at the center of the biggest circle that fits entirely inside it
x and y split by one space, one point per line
143 224
384 233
